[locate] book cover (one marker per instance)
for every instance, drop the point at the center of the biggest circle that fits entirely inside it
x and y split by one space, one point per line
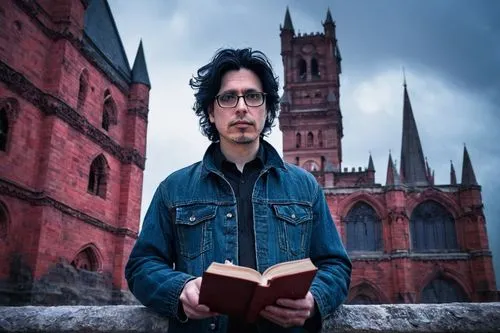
243 292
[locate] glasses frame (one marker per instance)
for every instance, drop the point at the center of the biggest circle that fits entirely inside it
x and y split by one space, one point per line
244 99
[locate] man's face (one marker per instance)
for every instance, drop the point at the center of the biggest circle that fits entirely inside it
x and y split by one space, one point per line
241 124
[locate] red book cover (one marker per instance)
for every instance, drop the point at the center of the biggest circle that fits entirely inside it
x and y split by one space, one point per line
243 292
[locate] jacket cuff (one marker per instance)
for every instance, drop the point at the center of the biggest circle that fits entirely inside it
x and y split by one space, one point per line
174 302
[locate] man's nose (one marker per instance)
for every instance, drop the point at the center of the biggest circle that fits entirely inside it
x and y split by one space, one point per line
241 106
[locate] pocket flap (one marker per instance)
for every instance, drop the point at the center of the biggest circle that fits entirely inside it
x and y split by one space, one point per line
194 214
293 213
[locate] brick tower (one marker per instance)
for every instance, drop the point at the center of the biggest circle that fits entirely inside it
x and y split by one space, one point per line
410 241
73 121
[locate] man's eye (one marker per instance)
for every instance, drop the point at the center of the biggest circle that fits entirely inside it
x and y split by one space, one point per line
227 98
252 96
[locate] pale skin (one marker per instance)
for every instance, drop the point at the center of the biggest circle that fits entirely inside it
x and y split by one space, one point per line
239 130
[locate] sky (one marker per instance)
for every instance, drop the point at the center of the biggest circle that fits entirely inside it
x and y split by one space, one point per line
450 50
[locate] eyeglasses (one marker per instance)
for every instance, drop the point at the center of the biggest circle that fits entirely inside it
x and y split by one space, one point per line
231 100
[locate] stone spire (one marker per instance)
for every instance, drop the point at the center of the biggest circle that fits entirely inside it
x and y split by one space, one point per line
468 176
139 70
453 175
412 168
288 21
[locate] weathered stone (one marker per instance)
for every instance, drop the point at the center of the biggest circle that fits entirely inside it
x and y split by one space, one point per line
407 318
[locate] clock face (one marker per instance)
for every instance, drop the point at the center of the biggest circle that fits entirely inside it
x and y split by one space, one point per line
308 48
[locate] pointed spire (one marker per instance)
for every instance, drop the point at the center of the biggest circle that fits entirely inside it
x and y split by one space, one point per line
140 71
328 17
453 175
371 167
412 168
468 176
392 177
288 21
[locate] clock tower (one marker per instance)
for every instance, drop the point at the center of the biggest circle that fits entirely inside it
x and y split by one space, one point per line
310 118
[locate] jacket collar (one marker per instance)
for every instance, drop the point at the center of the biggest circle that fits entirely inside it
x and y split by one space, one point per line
273 160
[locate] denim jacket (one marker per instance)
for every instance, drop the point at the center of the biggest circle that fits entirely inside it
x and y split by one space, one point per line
192 221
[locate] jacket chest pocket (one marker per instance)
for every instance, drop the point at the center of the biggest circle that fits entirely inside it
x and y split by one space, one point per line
294 227
195 225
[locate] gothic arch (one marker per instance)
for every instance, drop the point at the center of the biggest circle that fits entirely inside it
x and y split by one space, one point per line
363 228
310 139
302 66
315 73
9 111
88 258
109 112
443 273
83 88
4 221
443 286
366 293
348 202
432 228
298 140
98 176
432 194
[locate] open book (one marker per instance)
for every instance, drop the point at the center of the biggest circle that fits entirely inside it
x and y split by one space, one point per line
243 292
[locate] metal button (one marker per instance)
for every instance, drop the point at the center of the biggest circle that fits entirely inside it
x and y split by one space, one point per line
293 216
212 326
229 215
192 218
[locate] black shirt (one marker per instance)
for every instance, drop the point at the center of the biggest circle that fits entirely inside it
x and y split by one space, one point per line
243 184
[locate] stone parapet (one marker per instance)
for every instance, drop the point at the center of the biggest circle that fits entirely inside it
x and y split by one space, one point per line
395 318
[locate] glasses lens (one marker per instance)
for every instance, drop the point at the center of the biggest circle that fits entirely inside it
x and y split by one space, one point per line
254 99
227 100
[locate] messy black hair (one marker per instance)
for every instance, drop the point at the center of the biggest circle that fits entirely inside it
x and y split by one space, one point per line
208 80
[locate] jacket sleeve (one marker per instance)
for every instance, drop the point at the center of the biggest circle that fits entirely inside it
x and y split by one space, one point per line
149 270
331 284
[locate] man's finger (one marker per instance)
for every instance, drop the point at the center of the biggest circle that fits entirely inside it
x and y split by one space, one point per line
297 304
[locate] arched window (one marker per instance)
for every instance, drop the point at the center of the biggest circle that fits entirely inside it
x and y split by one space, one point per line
83 89
315 69
4 220
364 228
442 290
302 70
432 228
4 129
298 140
310 139
320 138
364 294
87 259
109 111
98 176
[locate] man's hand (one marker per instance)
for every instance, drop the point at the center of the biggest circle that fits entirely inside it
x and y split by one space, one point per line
288 312
190 297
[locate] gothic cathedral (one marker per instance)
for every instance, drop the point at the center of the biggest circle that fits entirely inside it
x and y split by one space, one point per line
410 240
73 121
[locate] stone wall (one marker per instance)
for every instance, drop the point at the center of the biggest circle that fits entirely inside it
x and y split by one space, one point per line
453 317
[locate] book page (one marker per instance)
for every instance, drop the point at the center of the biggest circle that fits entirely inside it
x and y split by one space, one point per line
286 268
241 272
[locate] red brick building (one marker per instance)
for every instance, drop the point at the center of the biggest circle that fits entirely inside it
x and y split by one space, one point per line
410 240
73 119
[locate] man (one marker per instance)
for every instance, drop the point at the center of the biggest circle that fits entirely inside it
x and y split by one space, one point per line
242 203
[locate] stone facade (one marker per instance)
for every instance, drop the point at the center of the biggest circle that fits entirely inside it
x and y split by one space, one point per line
74 123
410 240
